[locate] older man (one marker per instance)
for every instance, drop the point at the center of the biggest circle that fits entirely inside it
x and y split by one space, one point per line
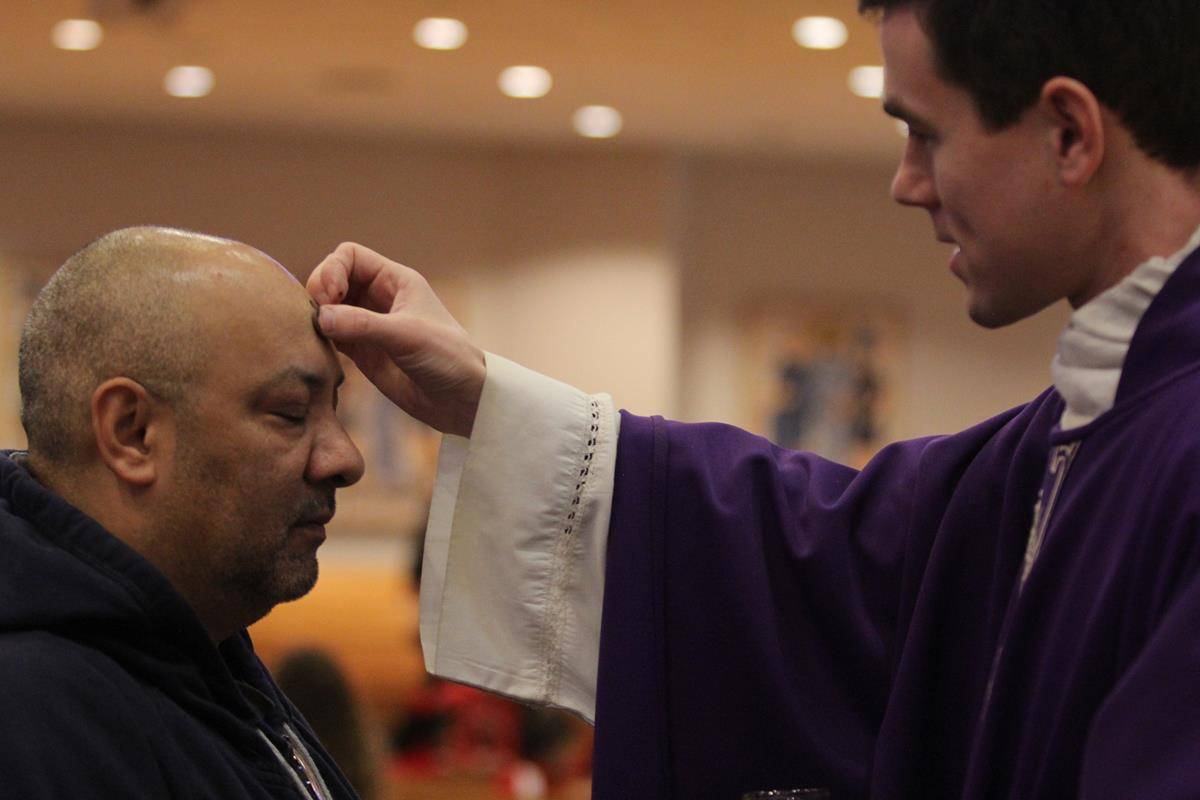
183 459
1007 612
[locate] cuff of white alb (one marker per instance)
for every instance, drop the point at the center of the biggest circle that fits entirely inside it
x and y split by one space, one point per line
513 573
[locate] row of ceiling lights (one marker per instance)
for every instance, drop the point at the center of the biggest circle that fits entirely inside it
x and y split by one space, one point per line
816 33
522 81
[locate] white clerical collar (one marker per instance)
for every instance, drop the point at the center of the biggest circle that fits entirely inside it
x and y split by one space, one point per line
1091 351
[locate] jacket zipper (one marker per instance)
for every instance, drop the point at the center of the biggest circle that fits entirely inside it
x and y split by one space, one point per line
302 769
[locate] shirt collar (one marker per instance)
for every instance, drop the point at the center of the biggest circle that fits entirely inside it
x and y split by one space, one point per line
1092 349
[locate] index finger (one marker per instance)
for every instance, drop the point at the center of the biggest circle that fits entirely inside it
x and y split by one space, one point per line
353 273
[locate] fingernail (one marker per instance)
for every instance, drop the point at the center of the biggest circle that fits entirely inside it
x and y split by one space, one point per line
326 317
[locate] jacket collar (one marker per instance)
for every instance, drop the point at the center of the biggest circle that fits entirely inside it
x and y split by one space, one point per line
116 600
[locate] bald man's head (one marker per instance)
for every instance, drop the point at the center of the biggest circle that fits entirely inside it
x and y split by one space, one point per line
124 305
176 389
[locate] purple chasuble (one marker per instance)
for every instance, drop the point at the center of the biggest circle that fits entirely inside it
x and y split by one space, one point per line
775 620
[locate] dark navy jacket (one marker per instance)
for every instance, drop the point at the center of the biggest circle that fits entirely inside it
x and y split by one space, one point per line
110 687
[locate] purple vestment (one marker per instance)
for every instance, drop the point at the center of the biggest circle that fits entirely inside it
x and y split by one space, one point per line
774 620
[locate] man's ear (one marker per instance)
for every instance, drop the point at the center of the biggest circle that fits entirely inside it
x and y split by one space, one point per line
128 424
1075 123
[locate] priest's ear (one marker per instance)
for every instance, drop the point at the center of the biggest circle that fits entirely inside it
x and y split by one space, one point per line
1075 126
130 428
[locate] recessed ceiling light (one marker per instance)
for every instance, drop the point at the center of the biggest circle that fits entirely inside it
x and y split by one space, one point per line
866 81
597 122
440 33
525 81
188 81
77 34
819 33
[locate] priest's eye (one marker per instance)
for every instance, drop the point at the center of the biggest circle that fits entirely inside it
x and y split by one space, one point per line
291 419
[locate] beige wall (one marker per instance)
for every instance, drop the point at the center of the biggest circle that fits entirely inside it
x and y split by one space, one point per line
758 229
616 271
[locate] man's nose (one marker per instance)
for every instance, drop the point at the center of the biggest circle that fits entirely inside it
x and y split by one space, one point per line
335 458
912 184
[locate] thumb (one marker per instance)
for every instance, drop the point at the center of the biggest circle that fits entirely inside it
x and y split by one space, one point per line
353 325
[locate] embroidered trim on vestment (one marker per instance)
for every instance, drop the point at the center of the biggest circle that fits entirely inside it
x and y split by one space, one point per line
561 563
1060 462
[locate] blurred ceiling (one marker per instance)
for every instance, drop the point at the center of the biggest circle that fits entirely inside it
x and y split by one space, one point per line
694 75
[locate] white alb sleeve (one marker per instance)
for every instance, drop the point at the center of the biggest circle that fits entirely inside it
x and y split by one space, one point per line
513 576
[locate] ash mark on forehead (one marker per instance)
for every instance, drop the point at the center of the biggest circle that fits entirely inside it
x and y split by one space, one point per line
316 321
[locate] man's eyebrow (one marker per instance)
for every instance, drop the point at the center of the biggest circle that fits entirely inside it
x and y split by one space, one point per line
315 381
894 108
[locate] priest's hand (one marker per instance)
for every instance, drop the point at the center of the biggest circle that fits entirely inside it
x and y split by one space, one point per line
386 318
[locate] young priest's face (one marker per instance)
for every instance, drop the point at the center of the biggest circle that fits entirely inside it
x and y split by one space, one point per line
992 194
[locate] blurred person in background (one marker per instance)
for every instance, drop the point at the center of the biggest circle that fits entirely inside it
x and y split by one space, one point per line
318 687
1006 612
183 460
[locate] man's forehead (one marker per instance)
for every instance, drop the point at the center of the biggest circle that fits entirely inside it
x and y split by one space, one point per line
292 353
287 272
255 258
259 335
911 84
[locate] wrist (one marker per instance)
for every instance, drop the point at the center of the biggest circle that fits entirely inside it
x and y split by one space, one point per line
469 408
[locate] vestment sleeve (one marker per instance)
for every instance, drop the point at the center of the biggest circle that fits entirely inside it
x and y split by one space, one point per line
513 573
67 731
751 603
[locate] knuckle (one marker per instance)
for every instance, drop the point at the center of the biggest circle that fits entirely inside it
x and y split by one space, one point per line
356 324
410 278
344 255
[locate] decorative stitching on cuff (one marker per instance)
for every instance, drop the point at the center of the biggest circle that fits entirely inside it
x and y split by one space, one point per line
555 622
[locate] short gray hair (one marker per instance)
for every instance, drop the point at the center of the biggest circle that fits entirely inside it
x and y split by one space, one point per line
112 309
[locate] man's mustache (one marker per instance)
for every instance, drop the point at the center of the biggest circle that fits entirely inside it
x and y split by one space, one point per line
317 510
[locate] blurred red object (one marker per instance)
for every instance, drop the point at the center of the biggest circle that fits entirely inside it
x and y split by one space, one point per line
471 732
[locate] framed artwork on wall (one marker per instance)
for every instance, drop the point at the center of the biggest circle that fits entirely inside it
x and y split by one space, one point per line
824 375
